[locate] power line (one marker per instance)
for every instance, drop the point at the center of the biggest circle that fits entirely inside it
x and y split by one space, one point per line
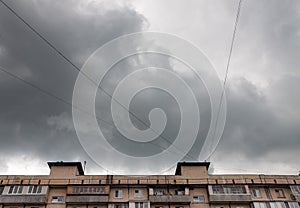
226 72
85 75
49 93
62 100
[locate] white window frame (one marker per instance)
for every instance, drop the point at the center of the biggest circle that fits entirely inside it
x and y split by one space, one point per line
57 199
279 193
118 194
199 199
293 204
118 205
139 204
277 205
34 189
256 192
16 189
295 189
179 192
229 189
260 205
158 192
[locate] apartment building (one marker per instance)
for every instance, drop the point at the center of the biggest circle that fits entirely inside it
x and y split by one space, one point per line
191 187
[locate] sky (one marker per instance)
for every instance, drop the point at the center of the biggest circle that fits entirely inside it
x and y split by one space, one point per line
261 132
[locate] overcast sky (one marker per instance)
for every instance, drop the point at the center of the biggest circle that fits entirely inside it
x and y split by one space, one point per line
262 130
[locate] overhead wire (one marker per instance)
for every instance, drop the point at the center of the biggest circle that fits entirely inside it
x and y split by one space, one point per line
86 76
226 73
47 92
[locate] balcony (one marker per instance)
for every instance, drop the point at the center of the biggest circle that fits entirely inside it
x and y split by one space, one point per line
86 199
170 198
30 199
297 196
296 192
229 192
227 197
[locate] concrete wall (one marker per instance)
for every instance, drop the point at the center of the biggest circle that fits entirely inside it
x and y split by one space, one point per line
194 171
144 193
125 194
63 172
287 193
57 192
199 192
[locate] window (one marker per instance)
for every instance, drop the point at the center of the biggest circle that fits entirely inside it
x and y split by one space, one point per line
179 207
117 206
15 190
57 199
118 193
277 205
279 193
295 189
219 207
88 190
198 199
158 192
218 189
141 205
260 205
229 189
34 189
179 192
293 204
256 192
138 193
1 189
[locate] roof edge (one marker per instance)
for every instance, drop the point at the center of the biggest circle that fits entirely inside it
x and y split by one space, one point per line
61 163
180 164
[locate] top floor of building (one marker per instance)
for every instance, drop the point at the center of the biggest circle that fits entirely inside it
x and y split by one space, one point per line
186 173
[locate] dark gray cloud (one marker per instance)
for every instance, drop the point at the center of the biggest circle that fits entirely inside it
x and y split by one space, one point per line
28 117
262 129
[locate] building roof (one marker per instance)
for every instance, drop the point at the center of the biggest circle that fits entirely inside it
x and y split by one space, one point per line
180 164
61 163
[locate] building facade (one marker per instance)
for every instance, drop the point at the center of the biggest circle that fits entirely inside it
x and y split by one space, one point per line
191 187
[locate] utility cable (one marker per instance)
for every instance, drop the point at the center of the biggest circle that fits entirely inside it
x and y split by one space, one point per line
84 74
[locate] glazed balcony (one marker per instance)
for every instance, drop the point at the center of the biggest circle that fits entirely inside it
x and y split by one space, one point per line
86 199
16 199
170 198
227 193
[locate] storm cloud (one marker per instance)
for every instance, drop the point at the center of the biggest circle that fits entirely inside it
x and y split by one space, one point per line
262 128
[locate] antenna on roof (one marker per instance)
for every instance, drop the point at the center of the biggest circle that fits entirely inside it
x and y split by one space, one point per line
84 165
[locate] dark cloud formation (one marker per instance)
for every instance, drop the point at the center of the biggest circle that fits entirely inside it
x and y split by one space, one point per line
263 96
262 129
32 123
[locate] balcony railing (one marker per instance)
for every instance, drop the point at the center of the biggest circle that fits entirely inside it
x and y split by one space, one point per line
229 197
297 196
170 198
32 199
86 199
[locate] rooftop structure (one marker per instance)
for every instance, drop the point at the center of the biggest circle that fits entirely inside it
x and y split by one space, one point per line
191 187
